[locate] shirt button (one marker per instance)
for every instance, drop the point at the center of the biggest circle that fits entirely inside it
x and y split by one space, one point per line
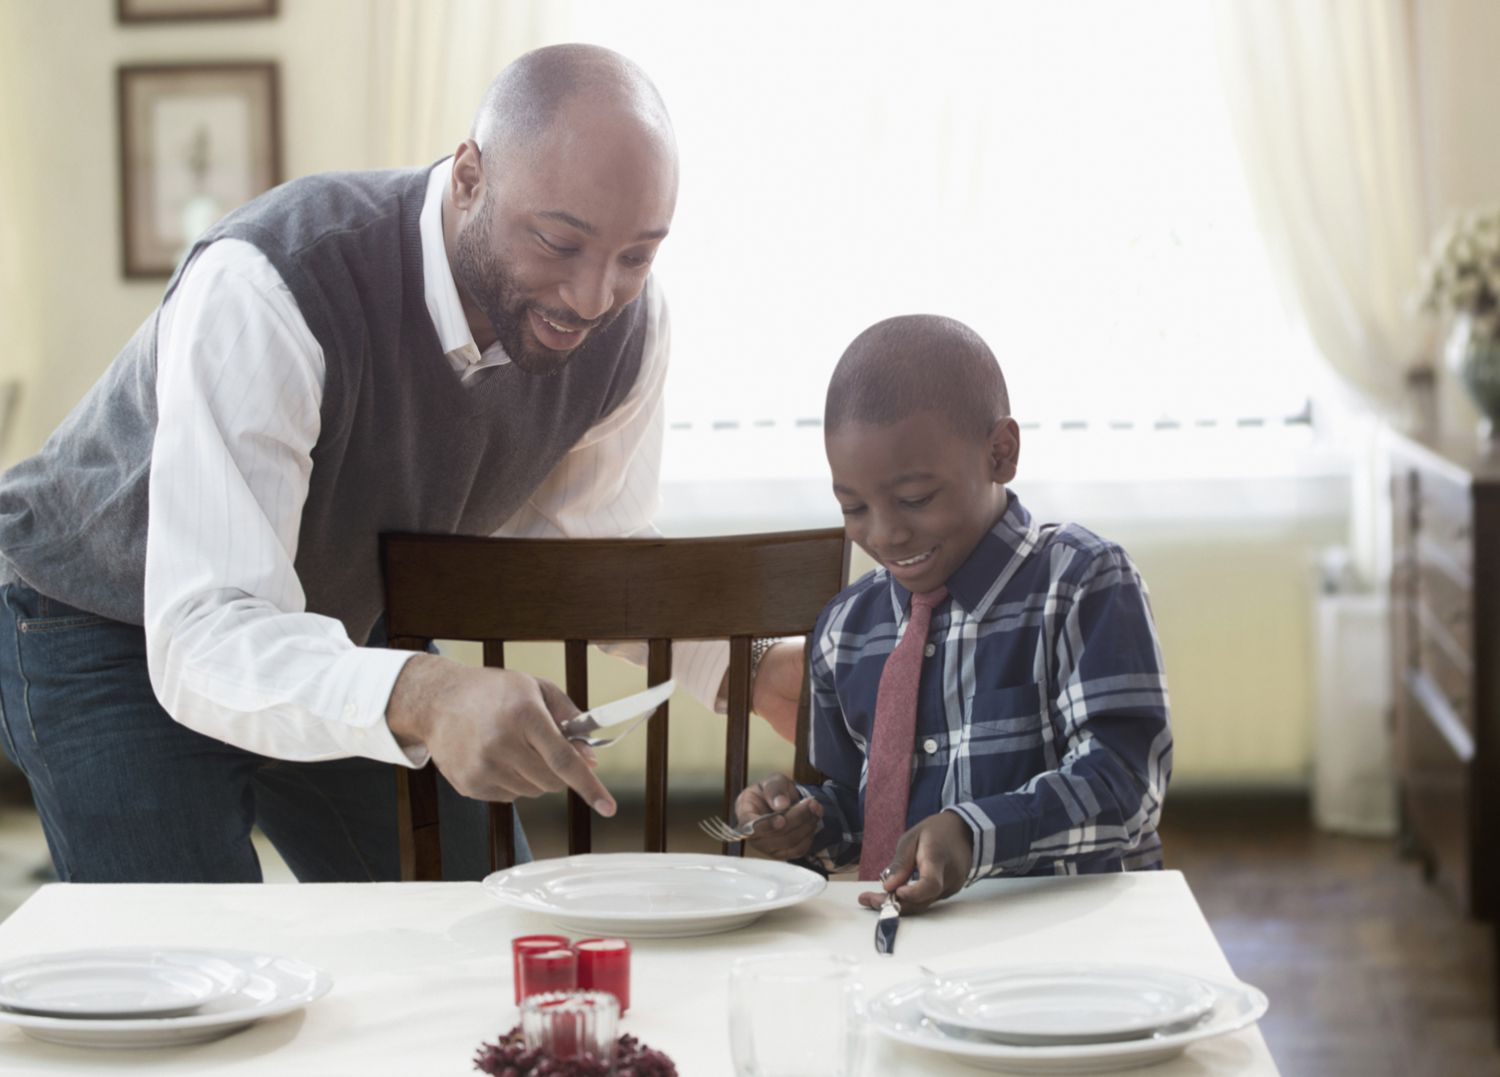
929 746
930 650
350 712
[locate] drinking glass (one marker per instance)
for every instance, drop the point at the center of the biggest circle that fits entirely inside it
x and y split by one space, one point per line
796 1014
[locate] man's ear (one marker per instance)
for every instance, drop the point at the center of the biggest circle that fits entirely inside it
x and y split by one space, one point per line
466 187
1005 450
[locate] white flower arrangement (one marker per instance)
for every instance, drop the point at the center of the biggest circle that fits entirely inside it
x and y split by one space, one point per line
1461 276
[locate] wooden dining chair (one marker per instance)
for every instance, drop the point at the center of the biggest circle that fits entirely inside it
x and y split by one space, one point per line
495 591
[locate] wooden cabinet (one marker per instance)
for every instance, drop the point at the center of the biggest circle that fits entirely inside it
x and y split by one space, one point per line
1445 591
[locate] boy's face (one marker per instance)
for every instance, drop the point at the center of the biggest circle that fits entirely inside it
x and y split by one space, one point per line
918 496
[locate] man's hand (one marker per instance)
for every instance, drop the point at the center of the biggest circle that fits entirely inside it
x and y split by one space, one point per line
787 836
940 848
492 732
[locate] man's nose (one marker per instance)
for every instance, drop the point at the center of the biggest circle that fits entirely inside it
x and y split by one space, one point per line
590 292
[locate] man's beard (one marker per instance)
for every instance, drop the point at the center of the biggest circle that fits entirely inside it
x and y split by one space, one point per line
492 287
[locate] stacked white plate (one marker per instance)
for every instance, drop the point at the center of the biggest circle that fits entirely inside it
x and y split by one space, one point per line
144 997
1064 1019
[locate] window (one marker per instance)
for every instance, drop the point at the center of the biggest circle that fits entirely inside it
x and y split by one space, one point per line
1061 177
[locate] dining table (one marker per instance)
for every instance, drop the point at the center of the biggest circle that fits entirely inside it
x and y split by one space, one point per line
421 972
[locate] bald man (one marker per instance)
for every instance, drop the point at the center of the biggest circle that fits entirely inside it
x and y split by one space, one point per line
190 622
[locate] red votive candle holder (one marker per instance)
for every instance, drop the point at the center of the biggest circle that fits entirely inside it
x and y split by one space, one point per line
524 944
544 971
604 965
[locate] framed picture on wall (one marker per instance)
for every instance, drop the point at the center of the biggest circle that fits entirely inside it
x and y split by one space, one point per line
180 10
196 140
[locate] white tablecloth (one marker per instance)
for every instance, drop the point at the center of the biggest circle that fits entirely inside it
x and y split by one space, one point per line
422 971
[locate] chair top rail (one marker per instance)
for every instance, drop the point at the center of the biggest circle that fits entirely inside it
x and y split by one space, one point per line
608 589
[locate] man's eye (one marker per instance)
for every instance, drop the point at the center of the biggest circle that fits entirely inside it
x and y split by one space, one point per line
915 502
852 510
556 248
635 261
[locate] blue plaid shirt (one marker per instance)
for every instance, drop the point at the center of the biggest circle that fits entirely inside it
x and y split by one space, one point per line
1042 712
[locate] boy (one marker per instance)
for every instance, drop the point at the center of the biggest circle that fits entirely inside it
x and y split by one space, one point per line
990 699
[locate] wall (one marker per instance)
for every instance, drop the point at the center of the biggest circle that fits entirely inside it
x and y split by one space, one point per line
1458 61
68 309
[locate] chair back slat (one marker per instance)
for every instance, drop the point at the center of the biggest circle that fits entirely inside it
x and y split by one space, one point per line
658 670
576 678
582 590
737 731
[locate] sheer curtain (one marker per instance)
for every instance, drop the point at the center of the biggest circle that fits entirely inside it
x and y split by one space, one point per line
432 61
1322 95
1323 99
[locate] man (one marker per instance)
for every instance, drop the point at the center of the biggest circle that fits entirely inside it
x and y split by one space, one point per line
192 557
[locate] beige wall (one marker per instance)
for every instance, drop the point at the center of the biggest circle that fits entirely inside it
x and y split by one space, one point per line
67 308
1458 60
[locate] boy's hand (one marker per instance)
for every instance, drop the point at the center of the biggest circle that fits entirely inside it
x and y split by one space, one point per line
940 848
787 836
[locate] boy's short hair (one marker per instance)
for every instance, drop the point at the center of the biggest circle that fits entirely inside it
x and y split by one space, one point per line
918 362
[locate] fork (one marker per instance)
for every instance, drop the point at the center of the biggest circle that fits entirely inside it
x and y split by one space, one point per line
719 830
619 733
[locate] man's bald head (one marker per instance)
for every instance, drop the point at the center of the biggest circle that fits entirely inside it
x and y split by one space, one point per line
525 99
918 362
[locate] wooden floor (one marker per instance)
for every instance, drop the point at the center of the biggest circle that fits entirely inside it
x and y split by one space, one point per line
1370 972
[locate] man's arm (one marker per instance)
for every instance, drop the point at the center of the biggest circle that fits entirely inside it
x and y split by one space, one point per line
232 651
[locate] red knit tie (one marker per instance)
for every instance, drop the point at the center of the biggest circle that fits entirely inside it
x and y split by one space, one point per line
892 738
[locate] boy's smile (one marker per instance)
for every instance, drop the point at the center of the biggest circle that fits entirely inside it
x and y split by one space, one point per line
918 495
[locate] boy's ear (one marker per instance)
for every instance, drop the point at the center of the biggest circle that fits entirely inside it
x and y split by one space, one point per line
1005 450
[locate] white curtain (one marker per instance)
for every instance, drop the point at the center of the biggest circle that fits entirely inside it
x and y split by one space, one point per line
432 61
1322 98
1322 95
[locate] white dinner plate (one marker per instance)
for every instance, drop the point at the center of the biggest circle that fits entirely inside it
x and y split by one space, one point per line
1076 1004
116 983
897 1013
653 895
272 986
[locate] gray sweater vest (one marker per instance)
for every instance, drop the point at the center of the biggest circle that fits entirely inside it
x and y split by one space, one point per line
403 446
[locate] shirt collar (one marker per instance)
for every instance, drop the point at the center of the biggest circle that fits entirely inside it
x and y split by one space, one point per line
439 288
975 584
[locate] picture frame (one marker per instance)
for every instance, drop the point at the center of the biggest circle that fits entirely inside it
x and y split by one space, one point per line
128 11
196 140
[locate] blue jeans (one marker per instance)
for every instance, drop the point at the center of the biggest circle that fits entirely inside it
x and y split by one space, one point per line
126 794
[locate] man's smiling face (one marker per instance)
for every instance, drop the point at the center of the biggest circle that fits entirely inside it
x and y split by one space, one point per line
564 233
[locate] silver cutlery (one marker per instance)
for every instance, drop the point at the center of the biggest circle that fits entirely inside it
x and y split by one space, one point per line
639 707
720 830
890 920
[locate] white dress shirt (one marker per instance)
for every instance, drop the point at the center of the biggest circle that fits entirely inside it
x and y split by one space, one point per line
233 652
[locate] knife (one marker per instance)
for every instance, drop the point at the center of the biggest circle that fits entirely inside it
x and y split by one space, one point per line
621 710
890 920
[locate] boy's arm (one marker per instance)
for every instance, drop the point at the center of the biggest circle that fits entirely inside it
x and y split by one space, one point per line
1107 712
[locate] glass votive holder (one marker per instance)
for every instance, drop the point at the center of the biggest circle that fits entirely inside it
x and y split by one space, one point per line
570 1024
528 943
604 965
545 971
